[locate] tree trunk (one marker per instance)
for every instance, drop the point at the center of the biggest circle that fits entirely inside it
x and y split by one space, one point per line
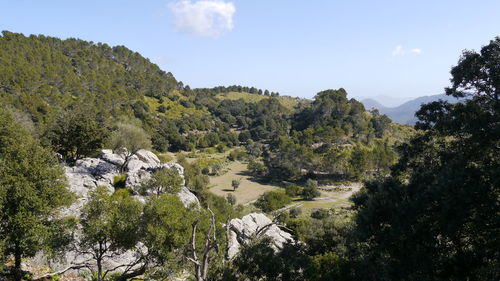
18 275
99 269
99 256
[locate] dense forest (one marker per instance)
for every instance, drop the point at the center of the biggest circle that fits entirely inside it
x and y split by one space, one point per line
429 208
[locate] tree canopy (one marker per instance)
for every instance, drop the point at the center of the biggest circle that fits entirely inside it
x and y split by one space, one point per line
436 216
32 189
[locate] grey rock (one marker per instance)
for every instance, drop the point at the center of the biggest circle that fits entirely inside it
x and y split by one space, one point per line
252 226
148 157
86 175
108 156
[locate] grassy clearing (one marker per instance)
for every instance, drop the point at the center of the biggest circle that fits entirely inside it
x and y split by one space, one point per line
286 101
174 109
336 200
332 203
249 189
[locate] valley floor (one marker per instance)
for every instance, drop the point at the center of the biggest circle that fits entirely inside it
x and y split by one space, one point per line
248 191
334 197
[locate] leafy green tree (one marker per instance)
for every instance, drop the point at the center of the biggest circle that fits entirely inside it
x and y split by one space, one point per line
235 183
77 134
231 199
435 217
272 200
244 136
162 181
383 157
336 161
310 190
328 266
293 190
359 162
110 226
288 160
259 261
167 230
256 168
32 189
380 123
128 139
254 149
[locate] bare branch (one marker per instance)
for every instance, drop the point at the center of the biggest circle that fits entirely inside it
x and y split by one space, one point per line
43 277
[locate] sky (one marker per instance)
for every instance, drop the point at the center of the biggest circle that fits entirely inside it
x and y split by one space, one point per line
399 49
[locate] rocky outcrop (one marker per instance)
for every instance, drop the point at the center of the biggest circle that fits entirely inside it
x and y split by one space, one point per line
243 231
89 173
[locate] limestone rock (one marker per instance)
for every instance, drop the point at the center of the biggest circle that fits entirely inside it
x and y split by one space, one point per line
255 225
148 157
87 174
108 156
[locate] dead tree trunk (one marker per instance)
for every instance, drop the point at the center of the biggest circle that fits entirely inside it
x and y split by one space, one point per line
201 266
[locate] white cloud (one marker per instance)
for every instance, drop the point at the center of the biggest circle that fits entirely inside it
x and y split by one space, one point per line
204 18
416 51
399 51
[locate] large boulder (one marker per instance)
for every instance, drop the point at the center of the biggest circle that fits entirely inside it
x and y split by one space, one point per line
243 231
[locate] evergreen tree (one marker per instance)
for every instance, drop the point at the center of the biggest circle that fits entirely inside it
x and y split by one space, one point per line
110 226
436 217
32 189
77 134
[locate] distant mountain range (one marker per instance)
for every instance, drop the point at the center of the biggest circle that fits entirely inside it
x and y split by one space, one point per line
405 113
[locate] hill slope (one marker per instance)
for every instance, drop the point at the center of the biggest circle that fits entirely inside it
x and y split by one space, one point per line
41 75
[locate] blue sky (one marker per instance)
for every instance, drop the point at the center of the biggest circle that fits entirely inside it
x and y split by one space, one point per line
395 48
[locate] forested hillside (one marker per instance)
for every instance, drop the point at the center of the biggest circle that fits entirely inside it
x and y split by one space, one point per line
109 160
49 83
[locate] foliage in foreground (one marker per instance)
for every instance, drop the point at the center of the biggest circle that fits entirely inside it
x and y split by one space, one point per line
32 189
436 216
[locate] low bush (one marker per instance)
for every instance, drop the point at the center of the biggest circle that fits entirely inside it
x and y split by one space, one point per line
120 181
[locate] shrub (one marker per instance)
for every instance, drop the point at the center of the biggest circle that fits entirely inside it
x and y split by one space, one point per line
256 168
272 200
205 170
293 190
221 147
310 191
235 184
295 212
119 181
231 199
216 169
237 154
162 108
320 214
